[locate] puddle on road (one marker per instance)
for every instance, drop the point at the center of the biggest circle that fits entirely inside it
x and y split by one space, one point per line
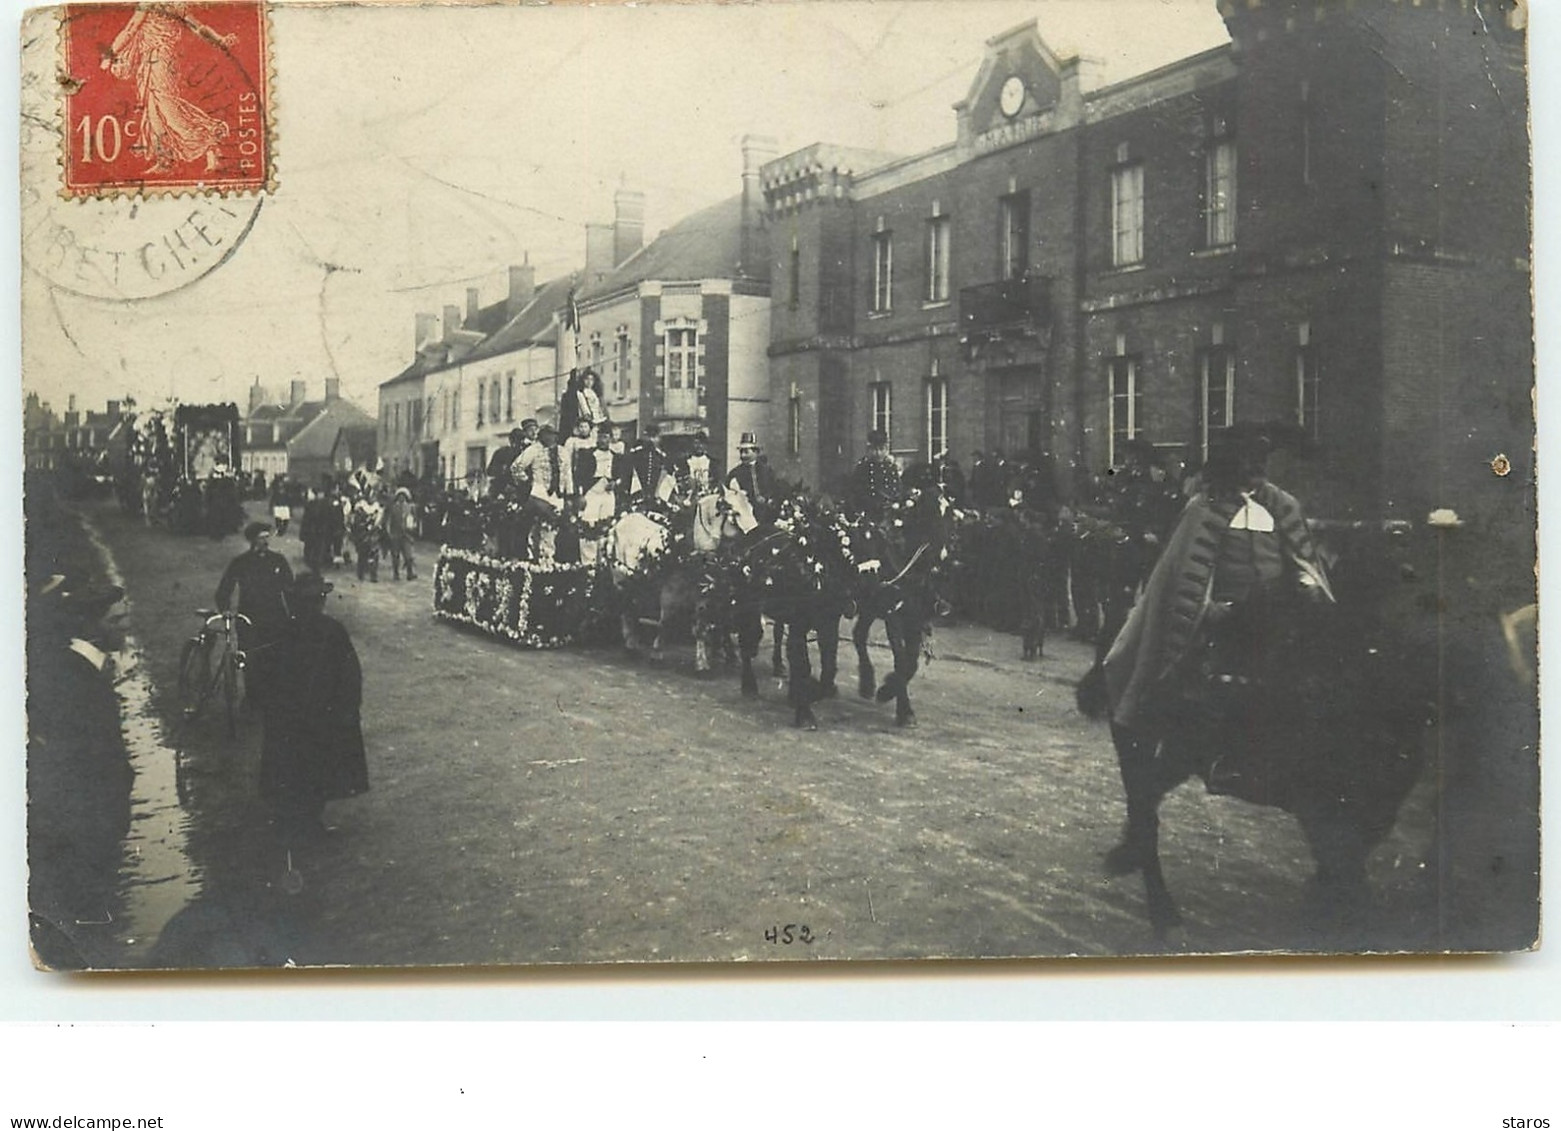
157 878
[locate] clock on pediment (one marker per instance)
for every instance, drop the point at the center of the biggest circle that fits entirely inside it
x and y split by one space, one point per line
1011 97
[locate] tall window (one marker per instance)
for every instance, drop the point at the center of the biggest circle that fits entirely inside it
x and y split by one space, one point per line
495 401
682 348
937 415
1014 234
1216 392
794 424
509 396
621 377
481 401
1127 215
1127 404
880 405
1308 390
794 276
883 270
596 351
1219 195
938 229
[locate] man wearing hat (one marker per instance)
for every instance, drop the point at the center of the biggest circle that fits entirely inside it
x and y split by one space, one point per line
503 460
642 468
400 524
875 481
1239 553
262 577
312 752
698 472
754 477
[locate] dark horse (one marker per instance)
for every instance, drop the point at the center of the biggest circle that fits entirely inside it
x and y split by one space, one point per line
794 571
1320 711
897 560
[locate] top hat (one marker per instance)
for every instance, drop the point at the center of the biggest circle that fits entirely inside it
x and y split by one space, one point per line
255 530
748 440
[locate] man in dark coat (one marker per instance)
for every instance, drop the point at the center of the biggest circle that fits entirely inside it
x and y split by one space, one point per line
262 577
875 481
312 751
754 478
641 469
498 471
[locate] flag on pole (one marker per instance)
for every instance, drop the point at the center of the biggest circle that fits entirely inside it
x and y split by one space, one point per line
572 312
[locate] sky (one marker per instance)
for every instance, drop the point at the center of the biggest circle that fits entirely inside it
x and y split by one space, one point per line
421 151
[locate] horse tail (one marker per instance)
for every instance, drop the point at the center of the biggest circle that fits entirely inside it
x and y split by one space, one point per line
1091 695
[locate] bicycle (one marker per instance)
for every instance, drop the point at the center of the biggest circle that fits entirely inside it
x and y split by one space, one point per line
212 660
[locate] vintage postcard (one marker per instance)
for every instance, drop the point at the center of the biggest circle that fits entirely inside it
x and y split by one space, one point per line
785 482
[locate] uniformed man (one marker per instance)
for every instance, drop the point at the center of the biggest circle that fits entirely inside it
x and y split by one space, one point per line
754 478
262 578
875 481
499 478
642 468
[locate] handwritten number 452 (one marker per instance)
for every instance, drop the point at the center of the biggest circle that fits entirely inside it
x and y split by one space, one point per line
790 933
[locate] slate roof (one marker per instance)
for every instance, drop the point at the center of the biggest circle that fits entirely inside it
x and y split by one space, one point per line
534 325
705 245
318 437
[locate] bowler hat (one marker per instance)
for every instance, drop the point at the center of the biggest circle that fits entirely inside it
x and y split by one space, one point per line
255 530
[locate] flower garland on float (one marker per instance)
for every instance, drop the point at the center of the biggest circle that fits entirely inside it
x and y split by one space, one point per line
537 604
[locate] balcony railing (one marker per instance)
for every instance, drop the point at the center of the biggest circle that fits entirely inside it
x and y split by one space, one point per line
1013 304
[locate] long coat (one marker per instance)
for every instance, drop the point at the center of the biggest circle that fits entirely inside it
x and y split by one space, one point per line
313 746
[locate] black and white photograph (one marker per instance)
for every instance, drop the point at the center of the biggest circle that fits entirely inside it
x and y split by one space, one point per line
797 482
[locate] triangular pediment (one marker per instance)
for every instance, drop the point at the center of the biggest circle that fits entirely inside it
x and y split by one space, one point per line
1020 77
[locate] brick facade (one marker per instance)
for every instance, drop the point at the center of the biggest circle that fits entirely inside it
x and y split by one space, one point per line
1334 212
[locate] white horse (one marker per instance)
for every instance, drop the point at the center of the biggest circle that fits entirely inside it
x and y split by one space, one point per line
639 552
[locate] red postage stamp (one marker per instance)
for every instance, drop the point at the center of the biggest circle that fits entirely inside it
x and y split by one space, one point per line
166 97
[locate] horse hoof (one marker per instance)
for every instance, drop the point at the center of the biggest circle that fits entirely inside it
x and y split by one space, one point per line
865 688
885 693
750 690
828 691
805 720
907 720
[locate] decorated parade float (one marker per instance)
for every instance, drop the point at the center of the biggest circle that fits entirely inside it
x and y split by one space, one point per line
180 466
495 575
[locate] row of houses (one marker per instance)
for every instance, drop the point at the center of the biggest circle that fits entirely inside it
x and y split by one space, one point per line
1324 221
50 439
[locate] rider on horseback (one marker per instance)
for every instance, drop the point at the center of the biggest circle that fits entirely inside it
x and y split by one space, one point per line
1240 552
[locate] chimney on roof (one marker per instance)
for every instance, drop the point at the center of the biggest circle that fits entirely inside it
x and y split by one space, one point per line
522 287
257 396
452 322
473 307
598 253
297 393
628 225
70 403
757 149
423 333
113 411
332 389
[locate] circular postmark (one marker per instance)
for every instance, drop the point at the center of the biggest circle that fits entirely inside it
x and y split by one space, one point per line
149 224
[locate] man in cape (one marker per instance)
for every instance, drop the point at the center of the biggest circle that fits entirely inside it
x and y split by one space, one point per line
1240 550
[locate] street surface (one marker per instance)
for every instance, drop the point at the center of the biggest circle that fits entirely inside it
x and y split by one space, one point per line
579 806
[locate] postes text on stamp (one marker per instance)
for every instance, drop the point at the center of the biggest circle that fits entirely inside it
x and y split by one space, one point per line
165 97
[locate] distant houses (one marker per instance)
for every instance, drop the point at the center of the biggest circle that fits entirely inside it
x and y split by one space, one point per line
303 439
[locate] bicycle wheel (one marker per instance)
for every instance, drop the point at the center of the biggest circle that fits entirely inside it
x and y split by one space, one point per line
194 677
230 690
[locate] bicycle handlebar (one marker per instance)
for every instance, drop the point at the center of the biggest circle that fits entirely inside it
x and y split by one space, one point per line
222 615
